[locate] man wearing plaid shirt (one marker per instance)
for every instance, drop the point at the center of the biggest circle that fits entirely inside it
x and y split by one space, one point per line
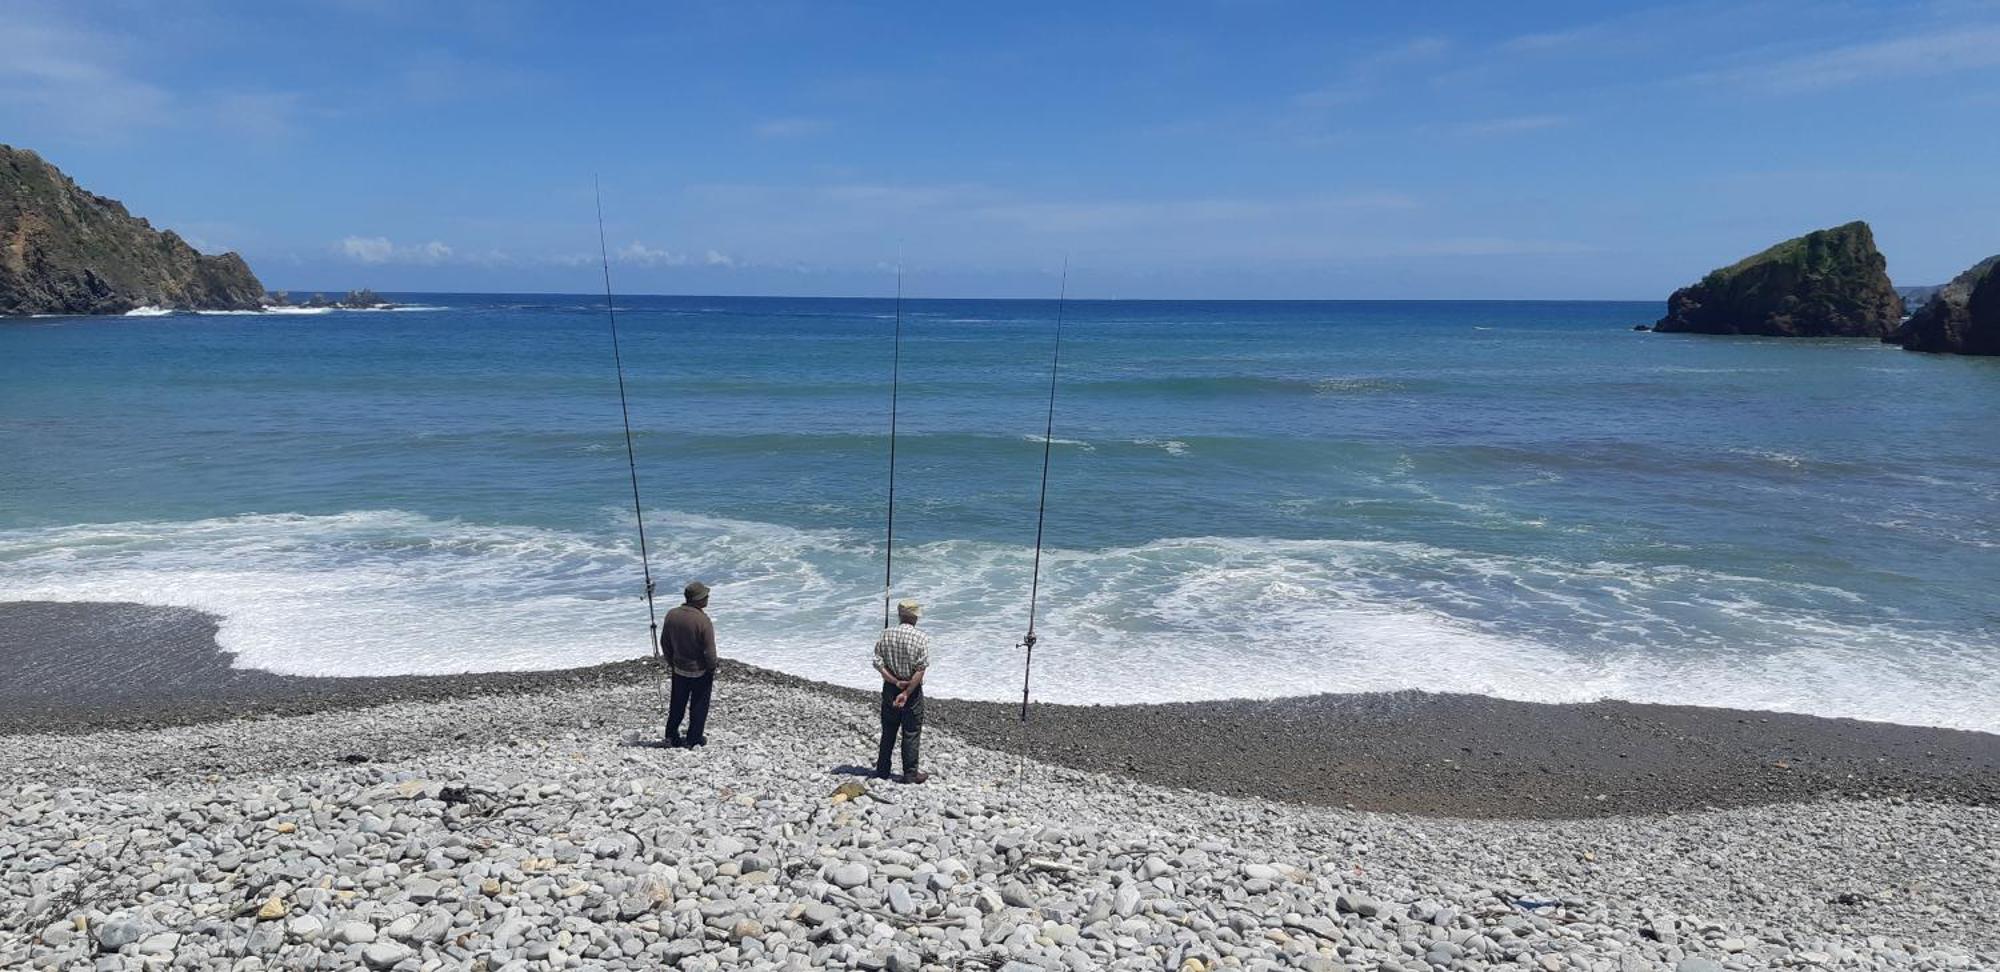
901 656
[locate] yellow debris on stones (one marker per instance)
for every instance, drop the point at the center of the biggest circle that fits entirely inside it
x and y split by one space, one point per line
285 827
849 790
272 910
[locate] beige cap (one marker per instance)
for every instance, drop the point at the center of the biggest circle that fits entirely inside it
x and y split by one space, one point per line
909 609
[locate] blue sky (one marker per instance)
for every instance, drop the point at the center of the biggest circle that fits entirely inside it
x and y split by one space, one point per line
1247 148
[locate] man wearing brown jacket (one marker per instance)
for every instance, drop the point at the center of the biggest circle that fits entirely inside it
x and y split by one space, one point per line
687 639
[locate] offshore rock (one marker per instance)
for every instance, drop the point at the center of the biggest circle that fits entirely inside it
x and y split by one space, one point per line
1827 283
66 250
363 299
1962 318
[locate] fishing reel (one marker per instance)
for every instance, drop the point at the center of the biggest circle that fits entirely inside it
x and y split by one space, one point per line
1027 641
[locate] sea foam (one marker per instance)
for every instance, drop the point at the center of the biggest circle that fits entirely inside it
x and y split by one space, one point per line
378 592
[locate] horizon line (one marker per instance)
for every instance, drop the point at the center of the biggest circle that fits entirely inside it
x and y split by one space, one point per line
1127 300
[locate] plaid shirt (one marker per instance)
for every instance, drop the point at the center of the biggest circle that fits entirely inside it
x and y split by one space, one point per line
903 650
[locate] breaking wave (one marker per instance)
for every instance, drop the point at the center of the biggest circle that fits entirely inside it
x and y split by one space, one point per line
377 592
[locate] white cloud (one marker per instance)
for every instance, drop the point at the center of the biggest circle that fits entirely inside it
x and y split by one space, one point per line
379 249
367 249
1946 51
639 254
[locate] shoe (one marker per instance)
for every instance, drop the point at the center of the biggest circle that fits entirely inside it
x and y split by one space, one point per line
882 774
703 741
915 777
673 742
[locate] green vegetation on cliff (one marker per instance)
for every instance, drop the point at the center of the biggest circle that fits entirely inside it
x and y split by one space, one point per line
66 250
1827 283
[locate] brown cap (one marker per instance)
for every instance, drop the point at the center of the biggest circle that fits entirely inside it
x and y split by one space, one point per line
696 591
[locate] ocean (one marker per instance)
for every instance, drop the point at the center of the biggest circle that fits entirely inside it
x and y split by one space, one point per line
1522 499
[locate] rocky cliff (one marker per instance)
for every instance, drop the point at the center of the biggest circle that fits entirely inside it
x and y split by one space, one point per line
1827 283
65 250
1964 317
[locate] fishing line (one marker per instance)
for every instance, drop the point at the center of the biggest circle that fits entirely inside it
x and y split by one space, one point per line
1041 519
631 457
895 388
1042 504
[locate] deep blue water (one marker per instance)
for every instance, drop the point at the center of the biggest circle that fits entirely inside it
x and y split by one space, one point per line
1247 498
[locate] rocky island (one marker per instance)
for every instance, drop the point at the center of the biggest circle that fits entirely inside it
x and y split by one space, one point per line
363 299
1962 318
1827 283
66 250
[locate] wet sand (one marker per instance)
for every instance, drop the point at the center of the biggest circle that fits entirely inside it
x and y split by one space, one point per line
69 667
78 667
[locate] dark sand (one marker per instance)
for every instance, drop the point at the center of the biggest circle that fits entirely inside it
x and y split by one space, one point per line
75 667
69 667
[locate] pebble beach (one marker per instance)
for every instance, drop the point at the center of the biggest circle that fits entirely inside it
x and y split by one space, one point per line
544 831
1363 490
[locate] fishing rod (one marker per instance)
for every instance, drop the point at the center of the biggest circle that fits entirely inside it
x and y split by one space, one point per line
895 388
631 458
1042 505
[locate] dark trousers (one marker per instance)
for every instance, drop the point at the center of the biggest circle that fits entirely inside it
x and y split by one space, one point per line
909 719
690 697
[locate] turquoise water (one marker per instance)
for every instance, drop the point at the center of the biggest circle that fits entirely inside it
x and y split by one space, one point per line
1248 498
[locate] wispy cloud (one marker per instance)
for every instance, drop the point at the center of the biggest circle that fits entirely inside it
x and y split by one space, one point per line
1552 40
72 76
78 78
1482 246
1100 216
638 254
439 77
1364 77
1943 51
270 115
791 127
380 250
645 257
959 203
1515 125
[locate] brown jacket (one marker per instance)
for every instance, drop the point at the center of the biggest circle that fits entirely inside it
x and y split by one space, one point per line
688 641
